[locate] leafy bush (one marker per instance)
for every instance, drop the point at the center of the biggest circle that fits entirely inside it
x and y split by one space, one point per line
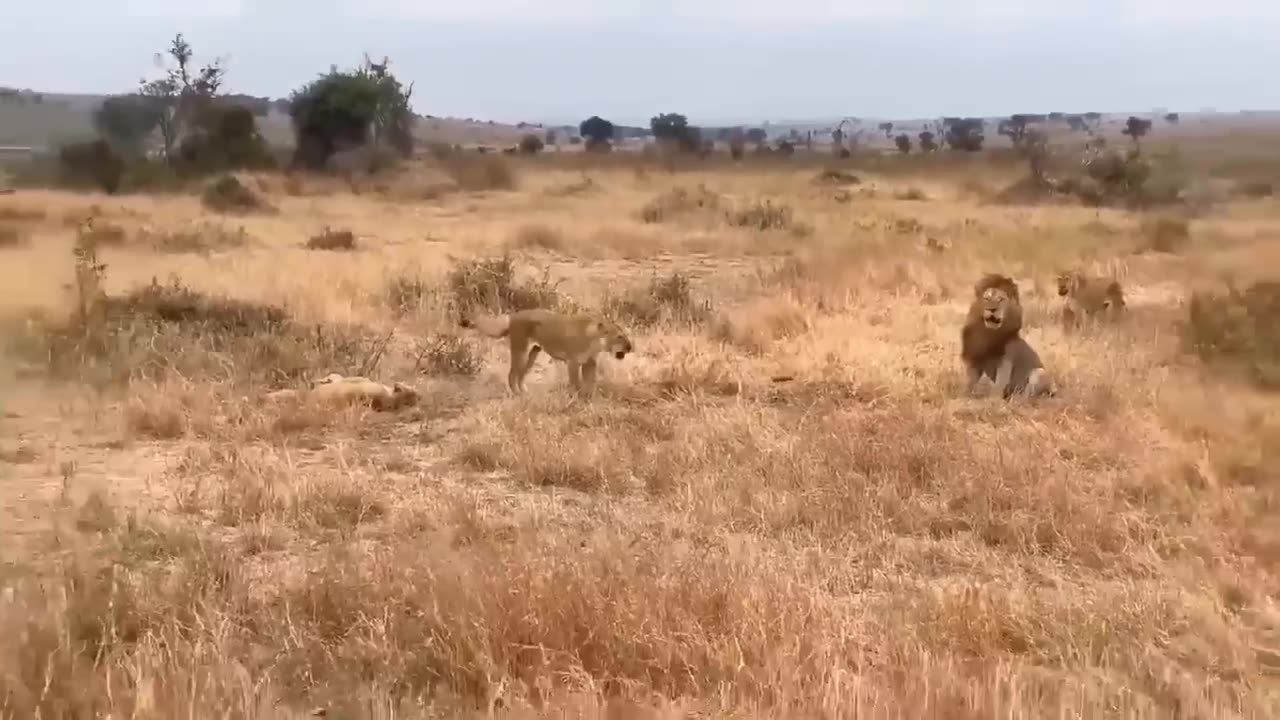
222 137
598 133
964 133
92 163
127 120
531 144
342 110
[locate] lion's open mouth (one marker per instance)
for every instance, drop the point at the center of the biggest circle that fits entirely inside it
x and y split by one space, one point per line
991 320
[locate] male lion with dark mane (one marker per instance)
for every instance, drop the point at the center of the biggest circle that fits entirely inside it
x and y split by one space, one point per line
991 344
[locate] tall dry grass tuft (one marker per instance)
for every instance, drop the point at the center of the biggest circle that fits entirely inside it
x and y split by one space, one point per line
781 505
477 172
159 330
1240 328
665 299
493 285
1165 234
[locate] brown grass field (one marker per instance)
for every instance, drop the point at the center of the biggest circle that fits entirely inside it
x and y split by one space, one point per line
863 541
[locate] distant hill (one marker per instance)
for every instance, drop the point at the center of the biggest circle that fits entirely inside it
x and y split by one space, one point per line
41 120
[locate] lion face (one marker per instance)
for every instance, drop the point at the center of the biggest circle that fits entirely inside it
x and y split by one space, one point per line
994 307
615 340
1067 283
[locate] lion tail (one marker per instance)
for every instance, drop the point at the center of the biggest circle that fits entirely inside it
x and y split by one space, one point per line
493 327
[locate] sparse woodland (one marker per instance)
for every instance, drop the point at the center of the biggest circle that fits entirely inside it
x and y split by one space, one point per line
781 505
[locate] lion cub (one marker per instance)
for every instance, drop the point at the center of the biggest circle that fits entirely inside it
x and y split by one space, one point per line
990 343
1089 297
572 339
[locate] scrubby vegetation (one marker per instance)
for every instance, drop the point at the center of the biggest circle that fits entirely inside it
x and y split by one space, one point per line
780 504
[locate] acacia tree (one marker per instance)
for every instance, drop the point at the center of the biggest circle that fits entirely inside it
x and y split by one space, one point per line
598 133
1136 127
1015 127
393 115
674 128
963 133
181 91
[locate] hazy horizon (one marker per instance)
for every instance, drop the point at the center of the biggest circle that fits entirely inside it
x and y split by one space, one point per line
717 63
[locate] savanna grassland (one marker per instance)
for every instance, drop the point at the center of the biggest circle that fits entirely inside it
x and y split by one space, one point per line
702 539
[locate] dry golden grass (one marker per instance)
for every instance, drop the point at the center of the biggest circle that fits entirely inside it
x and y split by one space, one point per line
861 540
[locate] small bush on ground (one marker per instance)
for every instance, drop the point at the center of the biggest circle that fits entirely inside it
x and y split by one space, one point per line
1166 234
474 172
162 329
1238 328
228 195
677 202
91 164
12 236
332 239
492 285
668 298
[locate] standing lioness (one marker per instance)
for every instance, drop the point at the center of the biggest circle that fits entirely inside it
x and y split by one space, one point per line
572 339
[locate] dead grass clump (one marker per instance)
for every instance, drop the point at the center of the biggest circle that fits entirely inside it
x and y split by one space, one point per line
228 195
450 355
543 452
407 294
583 186
336 504
836 176
332 240
492 284
199 238
160 329
911 193
757 325
1165 233
678 202
21 214
12 236
101 233
1239 328
538 236
669 298
1254 189
765 215
474 172
159 417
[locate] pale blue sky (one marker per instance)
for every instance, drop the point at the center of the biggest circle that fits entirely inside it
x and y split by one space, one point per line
714 60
